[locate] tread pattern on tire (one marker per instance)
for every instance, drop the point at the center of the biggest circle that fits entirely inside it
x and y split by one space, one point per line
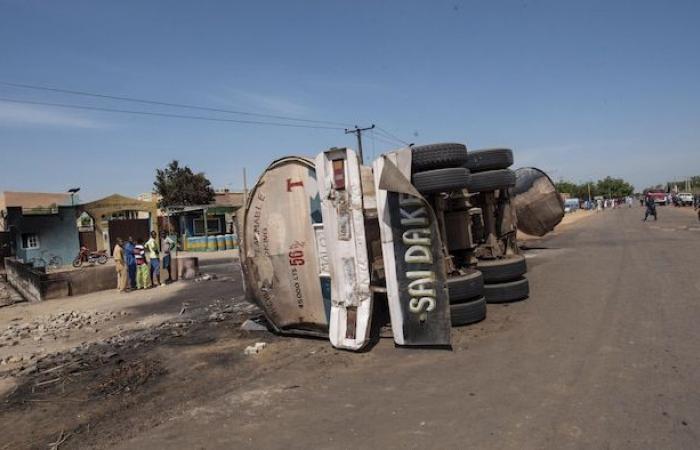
489 159
438 156
500 270
441 180
491 180
468 313
464 288
510 291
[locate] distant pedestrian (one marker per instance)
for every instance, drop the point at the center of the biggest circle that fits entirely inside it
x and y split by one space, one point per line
142 279
118 255
166 245
153 253
651 208
130 261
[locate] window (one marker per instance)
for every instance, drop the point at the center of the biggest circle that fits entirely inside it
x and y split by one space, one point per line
30 241
213 226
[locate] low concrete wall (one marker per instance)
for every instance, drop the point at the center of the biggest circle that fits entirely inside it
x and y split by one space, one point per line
24 279
37 286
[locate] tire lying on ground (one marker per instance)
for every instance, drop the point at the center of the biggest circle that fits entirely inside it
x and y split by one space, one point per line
510 291
465 287
437 156
537 203
489 159
500 270
441 180
468 312
491 180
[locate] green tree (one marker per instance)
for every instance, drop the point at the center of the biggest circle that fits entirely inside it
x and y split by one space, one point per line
179 186
566 187
614 187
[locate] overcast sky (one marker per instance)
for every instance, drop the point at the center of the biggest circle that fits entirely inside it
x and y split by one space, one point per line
580 89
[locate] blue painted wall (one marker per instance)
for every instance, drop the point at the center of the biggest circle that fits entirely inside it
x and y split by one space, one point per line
58 233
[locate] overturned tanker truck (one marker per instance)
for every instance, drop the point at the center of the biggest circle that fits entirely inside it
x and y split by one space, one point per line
423 239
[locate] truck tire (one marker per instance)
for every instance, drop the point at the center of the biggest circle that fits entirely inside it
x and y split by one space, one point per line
441 180
500 270
510 291
437 156
468 313
491 180
465 287
490 159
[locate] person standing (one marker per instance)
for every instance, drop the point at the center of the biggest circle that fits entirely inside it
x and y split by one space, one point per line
130 261
142 278
651 208
153 253
120 265
166 245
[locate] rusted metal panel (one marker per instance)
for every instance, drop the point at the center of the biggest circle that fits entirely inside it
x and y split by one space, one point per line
539 207
280 255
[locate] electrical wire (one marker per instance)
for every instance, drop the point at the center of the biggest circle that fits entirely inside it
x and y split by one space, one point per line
160 103
160 114
380 139
391 136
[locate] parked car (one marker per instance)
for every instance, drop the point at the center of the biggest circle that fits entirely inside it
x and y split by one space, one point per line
685 198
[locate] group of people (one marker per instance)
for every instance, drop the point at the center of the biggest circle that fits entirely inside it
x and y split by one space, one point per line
138 263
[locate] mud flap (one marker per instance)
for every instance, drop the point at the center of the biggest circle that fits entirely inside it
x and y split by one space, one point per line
340 189
413 255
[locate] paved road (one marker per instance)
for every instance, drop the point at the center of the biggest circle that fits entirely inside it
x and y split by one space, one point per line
605 354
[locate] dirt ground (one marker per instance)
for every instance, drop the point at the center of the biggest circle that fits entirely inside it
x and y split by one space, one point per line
602 355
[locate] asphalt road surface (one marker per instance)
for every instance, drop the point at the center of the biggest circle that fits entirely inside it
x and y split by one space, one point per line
605 354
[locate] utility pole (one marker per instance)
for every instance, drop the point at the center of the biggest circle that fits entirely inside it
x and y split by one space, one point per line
245 189
358 132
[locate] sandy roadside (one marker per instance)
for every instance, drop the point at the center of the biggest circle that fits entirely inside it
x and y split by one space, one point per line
568 220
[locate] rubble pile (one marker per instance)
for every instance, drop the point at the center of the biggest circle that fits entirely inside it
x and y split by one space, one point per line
88 354
56 326
8 296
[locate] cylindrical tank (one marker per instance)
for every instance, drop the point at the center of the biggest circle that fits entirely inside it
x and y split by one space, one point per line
234 240
221 242
228 241
538 205
211 243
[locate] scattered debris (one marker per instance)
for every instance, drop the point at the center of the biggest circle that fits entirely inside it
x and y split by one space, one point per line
254 324
255 349
61 439
129 376
55 326
206 277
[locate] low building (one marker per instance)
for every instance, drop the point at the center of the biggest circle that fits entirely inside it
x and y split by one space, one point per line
42 236
214 219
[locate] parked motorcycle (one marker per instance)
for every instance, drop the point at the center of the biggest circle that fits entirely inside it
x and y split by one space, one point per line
86 256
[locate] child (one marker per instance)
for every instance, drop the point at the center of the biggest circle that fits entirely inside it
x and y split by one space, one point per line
142 273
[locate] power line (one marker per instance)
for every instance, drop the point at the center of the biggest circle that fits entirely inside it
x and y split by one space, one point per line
384 141
160 114
392 136
170 104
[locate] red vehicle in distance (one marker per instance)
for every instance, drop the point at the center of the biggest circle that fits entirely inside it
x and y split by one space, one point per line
660 197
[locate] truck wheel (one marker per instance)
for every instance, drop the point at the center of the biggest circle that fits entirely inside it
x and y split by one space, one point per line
441 180
437 156
490 159
469 312
491 180
500 270
465 287
509 291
